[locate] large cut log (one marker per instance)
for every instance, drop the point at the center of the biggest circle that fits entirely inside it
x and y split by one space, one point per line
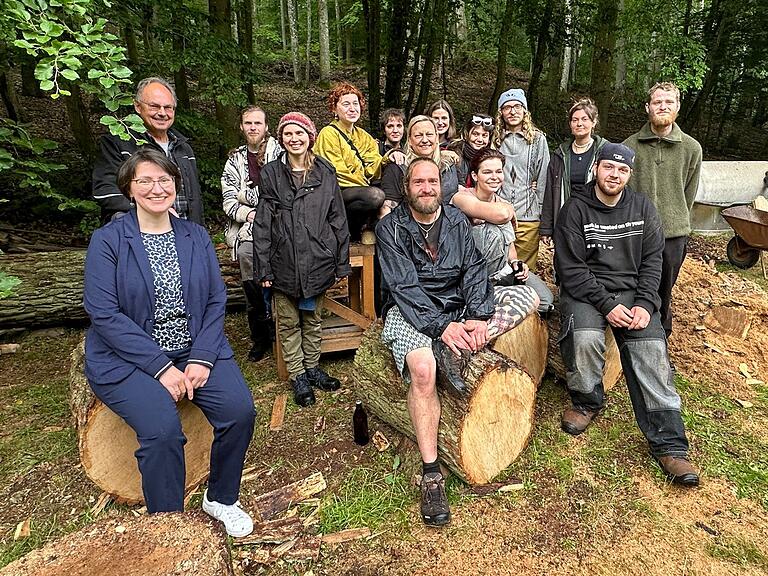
182 544
107 444
479 435
51 289
612 370
526 346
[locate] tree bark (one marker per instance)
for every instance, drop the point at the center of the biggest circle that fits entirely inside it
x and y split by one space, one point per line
220 12
79 122
180 73
245 37
325 43
339 46
606 17
107 444
51 290
501 56
435 41
132 50
542 45
29 85
283 19
372 13
293 29
423 17
501 398
309 43
9 98
397 54
567 49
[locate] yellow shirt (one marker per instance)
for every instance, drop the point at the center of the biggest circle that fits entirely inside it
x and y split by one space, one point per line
349 170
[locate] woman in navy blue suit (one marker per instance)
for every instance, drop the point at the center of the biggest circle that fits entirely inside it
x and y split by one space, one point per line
154 293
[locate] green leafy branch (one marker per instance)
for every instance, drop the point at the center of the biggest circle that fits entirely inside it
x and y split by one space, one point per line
70 44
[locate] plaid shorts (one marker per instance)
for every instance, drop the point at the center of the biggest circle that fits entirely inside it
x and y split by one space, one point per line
513 304
401 337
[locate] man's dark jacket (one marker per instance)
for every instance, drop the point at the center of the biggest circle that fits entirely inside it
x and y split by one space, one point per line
115 151
300 235
431 295
602 250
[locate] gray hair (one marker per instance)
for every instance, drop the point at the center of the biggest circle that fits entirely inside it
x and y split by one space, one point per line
154 80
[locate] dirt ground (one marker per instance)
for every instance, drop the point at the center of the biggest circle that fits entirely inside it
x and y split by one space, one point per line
596 504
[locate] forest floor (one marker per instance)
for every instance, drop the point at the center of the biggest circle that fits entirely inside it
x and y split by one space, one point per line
596 504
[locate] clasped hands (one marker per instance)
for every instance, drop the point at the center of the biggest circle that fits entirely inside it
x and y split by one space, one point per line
179 383
468 335
622 317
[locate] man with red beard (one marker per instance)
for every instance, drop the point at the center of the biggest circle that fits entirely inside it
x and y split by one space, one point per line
438 307
667 168
608 251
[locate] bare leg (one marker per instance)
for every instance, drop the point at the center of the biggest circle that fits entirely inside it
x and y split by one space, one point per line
423 403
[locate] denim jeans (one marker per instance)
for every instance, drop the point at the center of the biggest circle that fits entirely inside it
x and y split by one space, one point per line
645 361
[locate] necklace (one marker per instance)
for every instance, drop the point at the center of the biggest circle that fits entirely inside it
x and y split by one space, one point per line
426 230
583 146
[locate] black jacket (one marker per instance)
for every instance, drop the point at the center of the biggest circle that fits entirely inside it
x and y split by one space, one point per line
431 295
559 187
300 236
115 151
601 250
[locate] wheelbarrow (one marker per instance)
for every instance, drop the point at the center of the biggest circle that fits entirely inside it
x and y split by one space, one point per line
751 235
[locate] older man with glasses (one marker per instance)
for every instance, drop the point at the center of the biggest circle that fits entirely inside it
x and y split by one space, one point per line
155 102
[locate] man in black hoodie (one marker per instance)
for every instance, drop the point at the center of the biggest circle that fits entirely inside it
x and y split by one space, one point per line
608 252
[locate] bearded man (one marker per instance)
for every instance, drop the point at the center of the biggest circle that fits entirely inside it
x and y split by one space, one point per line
240 194
439 306
667 169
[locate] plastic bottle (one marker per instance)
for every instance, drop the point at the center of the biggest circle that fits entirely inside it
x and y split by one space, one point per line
360 424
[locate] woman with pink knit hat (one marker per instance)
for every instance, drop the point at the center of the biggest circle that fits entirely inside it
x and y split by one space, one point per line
301 245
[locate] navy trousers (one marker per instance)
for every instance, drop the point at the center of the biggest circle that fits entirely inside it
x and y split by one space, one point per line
148 408
645 361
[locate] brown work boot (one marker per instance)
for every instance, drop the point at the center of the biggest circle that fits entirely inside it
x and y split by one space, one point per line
679 470
434 502
576 419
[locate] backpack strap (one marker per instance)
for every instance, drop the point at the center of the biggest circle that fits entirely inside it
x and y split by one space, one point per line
351 144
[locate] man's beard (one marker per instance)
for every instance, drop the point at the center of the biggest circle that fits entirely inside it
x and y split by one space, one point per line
424 204
662 121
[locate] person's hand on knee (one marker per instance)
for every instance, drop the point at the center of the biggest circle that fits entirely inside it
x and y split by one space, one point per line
177 383
478 330
197 374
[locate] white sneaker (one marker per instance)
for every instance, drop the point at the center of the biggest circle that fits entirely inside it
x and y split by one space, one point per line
236 521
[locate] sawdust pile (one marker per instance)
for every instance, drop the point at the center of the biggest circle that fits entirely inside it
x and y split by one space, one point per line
720 324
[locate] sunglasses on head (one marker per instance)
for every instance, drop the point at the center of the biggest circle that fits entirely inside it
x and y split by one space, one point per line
482 121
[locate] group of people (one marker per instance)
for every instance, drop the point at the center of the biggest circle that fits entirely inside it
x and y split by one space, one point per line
457 223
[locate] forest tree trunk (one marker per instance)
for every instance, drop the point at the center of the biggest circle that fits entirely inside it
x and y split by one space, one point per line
293 29
397 55
372 13
606 17
325 44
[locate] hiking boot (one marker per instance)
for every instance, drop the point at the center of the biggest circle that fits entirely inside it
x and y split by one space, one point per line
302 391
679 470
576 419
450 367
434 502
319 378
236 521
258 351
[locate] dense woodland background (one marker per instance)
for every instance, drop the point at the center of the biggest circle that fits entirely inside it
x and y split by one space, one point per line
68 69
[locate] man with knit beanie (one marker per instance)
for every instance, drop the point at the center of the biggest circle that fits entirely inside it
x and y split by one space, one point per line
667 169
525 169
608 250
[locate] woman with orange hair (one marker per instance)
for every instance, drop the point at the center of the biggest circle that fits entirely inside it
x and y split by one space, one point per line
355 155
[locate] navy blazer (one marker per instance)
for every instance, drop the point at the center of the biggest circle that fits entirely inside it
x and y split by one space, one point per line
119 297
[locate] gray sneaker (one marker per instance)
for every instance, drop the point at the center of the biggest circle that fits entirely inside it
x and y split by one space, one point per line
434 502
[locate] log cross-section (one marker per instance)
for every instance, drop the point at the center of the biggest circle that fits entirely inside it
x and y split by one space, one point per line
480 434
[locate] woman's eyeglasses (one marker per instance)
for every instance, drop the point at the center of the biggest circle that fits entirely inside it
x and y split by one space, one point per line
486 121
146 184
